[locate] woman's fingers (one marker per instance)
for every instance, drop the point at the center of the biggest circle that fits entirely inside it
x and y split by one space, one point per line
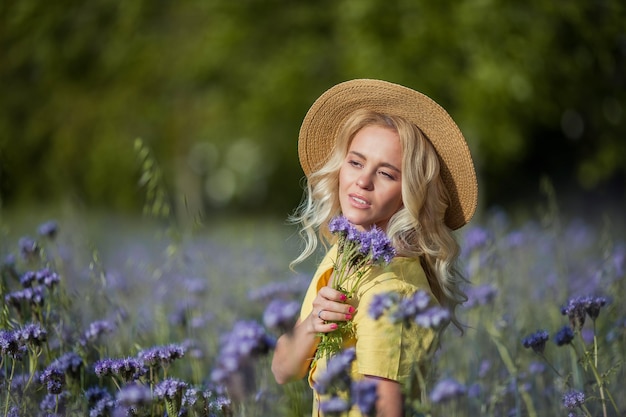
330 307
332 294
330 315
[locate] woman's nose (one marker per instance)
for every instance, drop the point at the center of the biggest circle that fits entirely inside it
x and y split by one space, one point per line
364 182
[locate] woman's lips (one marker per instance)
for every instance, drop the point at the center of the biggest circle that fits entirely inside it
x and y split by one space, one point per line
359 201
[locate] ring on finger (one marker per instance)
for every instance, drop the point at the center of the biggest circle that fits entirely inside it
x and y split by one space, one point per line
319 315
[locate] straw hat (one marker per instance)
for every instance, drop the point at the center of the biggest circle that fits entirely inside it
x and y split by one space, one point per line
323 120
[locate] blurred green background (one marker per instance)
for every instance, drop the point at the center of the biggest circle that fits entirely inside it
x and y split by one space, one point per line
216 90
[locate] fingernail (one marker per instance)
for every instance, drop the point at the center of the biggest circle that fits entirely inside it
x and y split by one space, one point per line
333 326
348 316
351 310
343 297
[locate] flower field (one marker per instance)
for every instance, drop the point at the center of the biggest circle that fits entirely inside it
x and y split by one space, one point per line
109 317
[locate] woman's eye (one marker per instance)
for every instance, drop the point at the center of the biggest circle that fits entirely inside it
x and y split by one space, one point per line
388 175
354 163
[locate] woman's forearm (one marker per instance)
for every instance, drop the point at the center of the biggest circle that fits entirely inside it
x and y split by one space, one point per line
294 352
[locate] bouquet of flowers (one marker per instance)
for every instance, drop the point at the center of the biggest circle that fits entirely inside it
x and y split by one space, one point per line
358 252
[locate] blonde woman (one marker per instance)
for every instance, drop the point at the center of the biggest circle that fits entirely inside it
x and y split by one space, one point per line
382 155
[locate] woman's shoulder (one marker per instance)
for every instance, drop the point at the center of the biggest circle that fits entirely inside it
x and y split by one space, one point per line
402 274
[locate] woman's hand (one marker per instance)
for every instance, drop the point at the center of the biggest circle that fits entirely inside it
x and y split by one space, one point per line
329 306
294 351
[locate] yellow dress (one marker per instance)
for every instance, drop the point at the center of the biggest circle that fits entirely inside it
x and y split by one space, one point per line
383 349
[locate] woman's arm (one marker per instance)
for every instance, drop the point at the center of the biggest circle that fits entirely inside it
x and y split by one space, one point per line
295 350
390 402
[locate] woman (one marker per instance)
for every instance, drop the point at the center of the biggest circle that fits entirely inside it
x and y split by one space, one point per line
382 155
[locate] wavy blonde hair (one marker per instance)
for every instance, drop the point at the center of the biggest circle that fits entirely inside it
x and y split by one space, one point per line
417 230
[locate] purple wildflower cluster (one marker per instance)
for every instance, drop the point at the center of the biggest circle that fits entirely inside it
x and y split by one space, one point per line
45 277
281 315
95 330
54 380
573 399
293 288
578 308
344 392
480 295
49 229
28 296
536 341
564 336
161 355
372 244
170 388
446 390
416 308
127 369
246 340
11 344
29 248
134 395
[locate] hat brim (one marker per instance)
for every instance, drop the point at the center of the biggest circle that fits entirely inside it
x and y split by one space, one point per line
322 122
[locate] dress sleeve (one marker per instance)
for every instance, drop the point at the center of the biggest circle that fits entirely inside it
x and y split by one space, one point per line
384 349
320 278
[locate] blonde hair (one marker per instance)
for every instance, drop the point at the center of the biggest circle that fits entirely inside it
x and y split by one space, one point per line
417 230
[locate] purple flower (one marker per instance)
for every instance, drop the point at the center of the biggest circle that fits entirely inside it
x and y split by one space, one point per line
47 277
410 307
170 388
128 369
32 334
55 403
96 329
564 336
190 397
28 278
102 408
337 372
380 246
11 344
280 314
162 354
573 399
536 367
383 302
485 367
334 406
593 306
53 379
339 225
480 295
94 395
134 395
578 308
294 287
104 367
70 363
447 389
364 395
476 238
48 229
575 311
247 339
28 247
536 341
32 296
433 318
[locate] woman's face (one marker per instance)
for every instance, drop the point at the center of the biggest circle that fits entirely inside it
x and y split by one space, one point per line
370 178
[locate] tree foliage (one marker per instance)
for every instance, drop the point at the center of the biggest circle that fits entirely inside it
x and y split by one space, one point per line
217 89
